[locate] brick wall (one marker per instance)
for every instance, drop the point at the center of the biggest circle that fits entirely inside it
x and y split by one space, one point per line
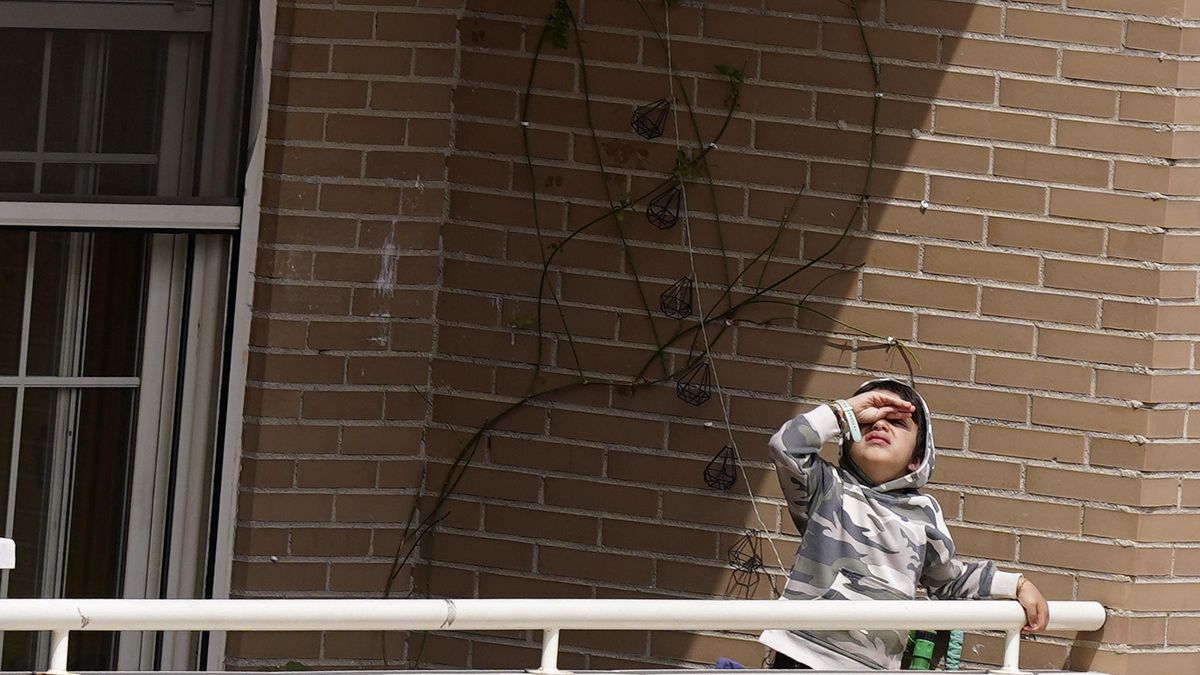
1027 234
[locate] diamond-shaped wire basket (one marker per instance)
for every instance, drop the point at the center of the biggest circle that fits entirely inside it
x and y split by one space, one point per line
650 120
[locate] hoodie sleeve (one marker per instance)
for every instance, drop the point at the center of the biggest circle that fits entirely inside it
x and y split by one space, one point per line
802 472
948 578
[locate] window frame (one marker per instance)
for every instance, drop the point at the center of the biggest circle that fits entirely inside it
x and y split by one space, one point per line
241 221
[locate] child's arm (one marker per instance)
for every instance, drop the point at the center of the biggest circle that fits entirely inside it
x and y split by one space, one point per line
948 578
794 448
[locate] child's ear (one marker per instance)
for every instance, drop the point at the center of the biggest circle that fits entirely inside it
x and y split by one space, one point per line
914 465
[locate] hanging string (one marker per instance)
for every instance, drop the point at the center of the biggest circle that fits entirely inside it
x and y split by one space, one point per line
702 317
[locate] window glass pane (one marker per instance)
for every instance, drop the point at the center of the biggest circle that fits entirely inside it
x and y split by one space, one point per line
104 180
16 177
116 305
96 539
51 285
71 539
125 115
88 302
13 255
21 54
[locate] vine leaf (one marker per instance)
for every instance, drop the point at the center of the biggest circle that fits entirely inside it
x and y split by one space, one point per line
559 24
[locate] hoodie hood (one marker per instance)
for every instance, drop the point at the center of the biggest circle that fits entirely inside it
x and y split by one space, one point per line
909 481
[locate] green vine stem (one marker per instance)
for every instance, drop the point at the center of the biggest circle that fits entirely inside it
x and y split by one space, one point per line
419 527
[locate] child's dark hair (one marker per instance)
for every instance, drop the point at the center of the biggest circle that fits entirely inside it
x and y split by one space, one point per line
908 394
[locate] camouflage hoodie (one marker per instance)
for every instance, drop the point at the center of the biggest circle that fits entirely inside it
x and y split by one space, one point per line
865 542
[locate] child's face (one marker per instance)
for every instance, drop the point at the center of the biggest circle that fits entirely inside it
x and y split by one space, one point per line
886 449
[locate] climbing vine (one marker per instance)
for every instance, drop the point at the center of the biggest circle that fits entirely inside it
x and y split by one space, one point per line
752 286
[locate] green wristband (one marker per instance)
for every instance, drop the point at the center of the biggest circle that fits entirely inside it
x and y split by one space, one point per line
852 428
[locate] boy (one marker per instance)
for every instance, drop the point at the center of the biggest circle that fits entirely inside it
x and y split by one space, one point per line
866 533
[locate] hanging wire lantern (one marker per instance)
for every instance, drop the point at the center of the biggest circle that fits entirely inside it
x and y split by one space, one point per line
650 120
721 473
676 301
663 209
744 555
746 561
694 386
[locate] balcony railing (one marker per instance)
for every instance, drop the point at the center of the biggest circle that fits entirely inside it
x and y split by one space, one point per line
62 617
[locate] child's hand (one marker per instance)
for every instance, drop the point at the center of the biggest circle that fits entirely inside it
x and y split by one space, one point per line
871 406
1037 612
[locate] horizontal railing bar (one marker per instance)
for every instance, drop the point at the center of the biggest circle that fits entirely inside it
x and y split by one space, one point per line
91 215
529 614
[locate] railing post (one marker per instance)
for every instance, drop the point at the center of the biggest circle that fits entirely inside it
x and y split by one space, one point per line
549 652
58 652
1012 652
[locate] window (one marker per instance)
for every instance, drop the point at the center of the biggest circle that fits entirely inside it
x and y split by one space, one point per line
145 109
121 166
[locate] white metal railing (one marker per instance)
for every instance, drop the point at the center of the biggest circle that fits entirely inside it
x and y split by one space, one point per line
61 617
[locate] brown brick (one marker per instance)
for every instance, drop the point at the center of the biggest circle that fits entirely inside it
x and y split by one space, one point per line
1162 38
268 473
319 23
285 507
1063 27
759 29
982 264
543 525
919 292
709 510
332 542
964 332
888 43
976 472
412 27
1057 412
883 182
501 553
1105 207
879 321
372 508
936 84
955 16
932 223
1023 304
595 565
596 496
976 402
1119 279
1119 69
350 405
1165 456
987 195
1129 491
977 123
1054 168
1022 513
389 60
336 473
1117 138
1030 443
872 252
1000 55
1052 97
939 363
816 71
931 152
861 111
1031 374
1045 236
291 438
1108 556
660 538
318 93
